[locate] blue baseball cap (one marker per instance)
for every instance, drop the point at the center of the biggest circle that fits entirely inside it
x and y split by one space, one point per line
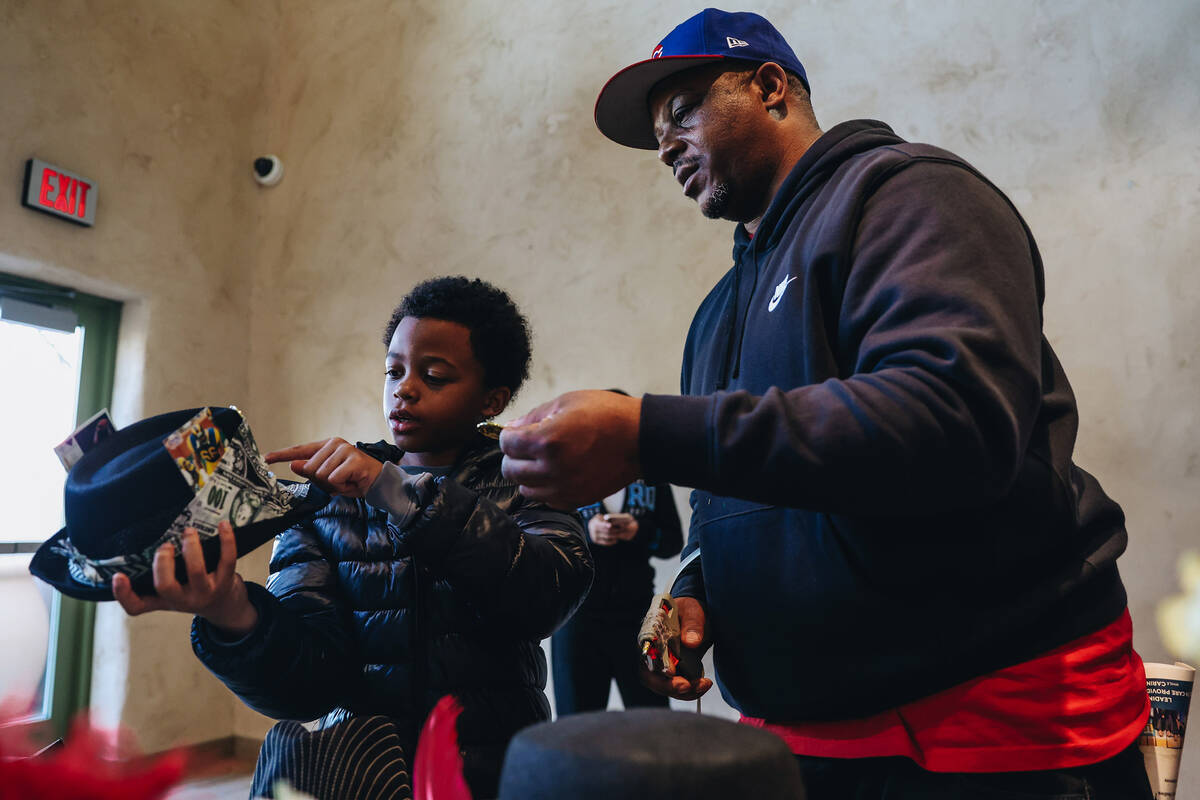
711 35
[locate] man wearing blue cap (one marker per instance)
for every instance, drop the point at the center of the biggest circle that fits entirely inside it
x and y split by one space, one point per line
903 573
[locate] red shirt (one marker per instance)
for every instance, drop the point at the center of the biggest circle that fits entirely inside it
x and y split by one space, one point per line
1079 704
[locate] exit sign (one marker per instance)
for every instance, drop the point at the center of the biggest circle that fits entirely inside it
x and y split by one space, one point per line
56 191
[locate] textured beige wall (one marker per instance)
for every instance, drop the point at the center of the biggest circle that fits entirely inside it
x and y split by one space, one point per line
157 103
424 138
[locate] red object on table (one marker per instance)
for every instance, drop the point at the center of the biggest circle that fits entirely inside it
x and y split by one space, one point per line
438 771
76 770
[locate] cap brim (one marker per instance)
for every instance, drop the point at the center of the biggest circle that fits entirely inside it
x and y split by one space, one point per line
51 565
621 111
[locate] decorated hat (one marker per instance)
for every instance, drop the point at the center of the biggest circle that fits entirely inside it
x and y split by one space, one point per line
140 487
650 753
709 37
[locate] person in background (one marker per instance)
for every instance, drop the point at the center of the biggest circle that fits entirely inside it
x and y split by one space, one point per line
599 644
428 574
902 571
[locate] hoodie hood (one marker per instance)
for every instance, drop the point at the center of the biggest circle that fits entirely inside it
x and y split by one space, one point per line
837 145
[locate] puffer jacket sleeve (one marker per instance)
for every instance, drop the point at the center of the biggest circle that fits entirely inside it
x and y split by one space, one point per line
524 571
299 659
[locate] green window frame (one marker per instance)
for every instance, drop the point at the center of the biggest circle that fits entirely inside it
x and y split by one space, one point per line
69 666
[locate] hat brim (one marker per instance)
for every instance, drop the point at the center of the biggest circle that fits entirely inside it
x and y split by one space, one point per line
621 111
51 566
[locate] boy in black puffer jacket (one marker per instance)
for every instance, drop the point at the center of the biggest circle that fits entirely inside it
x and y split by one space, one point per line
429 574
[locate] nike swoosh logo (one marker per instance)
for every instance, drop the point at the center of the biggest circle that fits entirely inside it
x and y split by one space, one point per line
779 290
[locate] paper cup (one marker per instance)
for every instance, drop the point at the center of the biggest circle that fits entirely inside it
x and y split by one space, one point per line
1161 743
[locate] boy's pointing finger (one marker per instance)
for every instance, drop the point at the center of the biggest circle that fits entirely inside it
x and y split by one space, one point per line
299 452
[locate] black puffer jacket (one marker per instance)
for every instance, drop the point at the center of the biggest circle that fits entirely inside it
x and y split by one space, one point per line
362 618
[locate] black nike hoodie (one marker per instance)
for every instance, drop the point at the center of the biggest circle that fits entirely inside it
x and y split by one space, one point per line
880 439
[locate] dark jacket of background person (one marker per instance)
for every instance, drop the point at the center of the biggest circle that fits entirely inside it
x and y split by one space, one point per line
624 580
361 618
901 292
599 644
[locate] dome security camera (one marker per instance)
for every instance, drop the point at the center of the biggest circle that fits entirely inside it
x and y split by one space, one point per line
268 170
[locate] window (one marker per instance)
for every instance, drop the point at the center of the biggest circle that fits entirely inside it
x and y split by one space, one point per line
57 353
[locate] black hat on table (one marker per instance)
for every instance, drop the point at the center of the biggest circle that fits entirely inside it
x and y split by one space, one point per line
648 753
124 496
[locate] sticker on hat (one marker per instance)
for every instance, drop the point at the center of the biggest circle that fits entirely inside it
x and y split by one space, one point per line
144 485
197 448
94 430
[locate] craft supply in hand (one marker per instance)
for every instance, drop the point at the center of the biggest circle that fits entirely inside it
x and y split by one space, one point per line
489 429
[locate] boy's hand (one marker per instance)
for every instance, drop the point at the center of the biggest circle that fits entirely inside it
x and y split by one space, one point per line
219 596
692 636
574 450
335 465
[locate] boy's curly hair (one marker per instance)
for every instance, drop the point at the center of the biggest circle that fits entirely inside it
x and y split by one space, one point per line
499 332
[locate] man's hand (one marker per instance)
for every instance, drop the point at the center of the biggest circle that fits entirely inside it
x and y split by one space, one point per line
219 596
574 450
692 636
335 465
